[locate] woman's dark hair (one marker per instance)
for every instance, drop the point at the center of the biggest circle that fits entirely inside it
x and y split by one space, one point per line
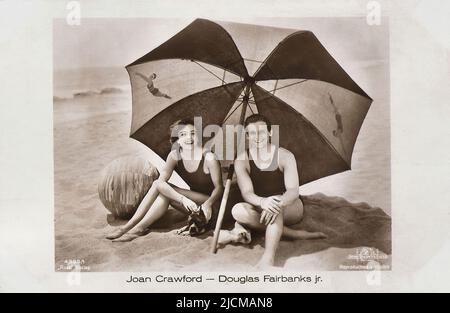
175 127
254 118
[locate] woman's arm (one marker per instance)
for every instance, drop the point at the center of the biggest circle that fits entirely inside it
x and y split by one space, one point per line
166 190
216 176
291 182
164 176
168 168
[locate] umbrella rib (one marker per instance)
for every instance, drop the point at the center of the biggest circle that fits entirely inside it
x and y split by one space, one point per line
273 90
234 110
250 60
223 82
250 107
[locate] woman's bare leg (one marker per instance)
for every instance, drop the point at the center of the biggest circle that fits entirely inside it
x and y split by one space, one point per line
168 194
141 211
156 211
161 204
195 196
167 190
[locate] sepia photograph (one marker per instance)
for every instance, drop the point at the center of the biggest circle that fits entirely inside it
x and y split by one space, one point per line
203 145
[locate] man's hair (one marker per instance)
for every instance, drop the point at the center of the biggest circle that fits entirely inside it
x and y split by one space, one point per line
176 126
254 118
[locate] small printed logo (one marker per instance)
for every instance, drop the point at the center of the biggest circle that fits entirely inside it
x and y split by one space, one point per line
366 259
74 264
73 267
367 254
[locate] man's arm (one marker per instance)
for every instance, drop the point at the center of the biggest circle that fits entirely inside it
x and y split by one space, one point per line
291 182
245 184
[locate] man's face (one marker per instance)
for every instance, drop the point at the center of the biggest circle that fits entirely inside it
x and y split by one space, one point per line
258 135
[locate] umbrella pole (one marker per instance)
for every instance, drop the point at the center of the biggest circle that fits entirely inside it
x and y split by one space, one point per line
223 205
226 192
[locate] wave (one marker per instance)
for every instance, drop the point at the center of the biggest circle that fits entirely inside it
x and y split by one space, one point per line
84 94
110 90
90 93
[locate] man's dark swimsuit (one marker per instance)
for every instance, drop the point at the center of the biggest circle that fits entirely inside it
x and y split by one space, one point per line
267 183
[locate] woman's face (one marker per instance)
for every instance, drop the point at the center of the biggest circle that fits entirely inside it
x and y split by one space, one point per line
258 135
187 138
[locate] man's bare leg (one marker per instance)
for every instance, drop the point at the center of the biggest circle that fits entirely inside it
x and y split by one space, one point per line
247 215
273 236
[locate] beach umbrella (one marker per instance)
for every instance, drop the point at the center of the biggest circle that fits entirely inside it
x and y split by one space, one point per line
224 71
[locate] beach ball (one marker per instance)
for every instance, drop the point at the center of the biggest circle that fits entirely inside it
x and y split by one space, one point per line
124 183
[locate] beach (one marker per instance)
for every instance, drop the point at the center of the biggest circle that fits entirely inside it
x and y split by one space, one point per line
91 129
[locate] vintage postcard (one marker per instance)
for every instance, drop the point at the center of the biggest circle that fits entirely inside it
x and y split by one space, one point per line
199 149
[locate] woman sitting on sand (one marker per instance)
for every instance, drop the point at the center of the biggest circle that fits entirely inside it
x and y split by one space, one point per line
200 170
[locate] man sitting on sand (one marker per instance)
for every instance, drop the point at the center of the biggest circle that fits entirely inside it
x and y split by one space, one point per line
268 179
151 87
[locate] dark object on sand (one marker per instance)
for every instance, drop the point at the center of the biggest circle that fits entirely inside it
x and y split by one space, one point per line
196 224
124 183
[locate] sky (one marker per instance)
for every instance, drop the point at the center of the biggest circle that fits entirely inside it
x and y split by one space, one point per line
106 42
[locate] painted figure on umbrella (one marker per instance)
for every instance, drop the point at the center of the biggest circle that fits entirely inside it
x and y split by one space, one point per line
151 87
199 168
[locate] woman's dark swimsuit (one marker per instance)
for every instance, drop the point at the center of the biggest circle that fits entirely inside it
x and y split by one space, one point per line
200 182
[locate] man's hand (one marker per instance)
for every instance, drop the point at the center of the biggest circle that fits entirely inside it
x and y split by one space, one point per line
271 204
267 217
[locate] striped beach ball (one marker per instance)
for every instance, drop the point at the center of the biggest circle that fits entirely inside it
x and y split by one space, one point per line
124 183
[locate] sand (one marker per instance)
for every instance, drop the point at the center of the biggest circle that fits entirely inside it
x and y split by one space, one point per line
87 138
